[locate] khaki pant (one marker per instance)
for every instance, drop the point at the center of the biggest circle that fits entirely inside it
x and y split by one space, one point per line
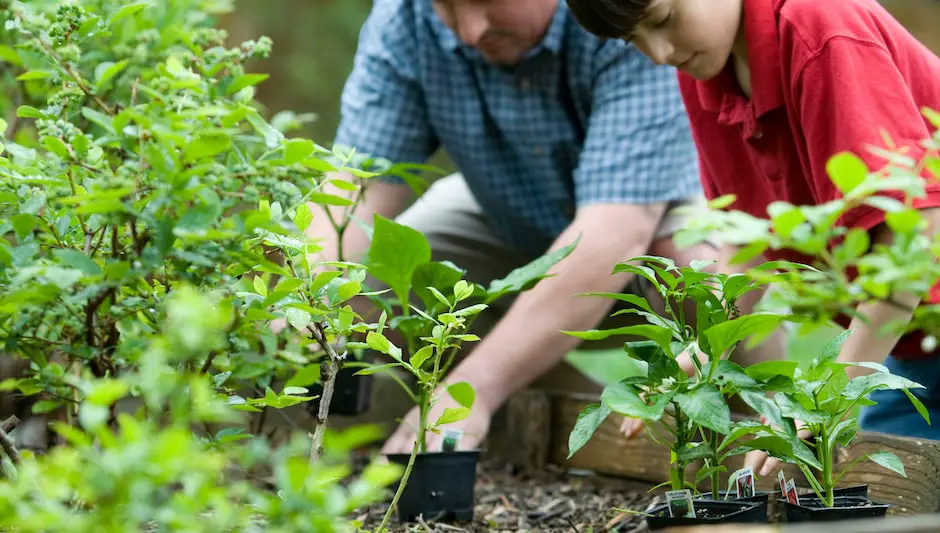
457 231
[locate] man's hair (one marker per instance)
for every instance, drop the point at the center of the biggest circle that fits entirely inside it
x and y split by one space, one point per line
613 19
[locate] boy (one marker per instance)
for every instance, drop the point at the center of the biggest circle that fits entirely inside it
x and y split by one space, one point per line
774 89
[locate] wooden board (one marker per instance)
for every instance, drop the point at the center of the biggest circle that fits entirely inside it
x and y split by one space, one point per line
928 523
609 453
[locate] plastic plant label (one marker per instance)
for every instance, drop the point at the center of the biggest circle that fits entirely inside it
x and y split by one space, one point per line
680 504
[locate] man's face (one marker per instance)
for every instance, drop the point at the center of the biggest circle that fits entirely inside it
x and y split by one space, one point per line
695 36
501 30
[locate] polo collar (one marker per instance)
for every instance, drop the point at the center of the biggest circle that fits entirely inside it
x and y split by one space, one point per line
551 42
721 94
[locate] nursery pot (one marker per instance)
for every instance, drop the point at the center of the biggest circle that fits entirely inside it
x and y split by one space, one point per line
845 508
441 486
352 394
761 497
710 512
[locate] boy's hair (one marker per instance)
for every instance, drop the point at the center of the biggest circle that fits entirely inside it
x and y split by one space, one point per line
613 19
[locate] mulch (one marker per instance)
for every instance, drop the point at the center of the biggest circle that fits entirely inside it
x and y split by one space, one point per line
546 500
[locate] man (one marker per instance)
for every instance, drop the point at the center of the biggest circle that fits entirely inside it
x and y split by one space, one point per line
556 134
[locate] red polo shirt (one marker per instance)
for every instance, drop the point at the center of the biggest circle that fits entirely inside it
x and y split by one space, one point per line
826 76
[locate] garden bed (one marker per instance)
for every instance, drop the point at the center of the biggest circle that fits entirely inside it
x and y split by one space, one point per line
548 499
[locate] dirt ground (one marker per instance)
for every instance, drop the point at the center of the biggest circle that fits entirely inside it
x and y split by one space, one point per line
548 500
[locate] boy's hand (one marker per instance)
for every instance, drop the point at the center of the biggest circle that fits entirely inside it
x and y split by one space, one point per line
762 464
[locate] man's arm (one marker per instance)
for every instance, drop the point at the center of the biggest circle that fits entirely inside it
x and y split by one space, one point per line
527 341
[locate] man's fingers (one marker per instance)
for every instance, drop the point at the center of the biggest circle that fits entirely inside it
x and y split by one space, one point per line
755 460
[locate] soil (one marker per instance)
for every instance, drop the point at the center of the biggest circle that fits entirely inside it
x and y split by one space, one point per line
547 500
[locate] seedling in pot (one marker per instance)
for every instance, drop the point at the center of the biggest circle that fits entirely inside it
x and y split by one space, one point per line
433 334
820 399
691 404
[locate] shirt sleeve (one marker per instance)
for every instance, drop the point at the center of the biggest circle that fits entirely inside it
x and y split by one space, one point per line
851 96
638 146
382 109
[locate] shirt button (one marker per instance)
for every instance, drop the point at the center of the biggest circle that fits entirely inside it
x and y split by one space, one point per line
758 134
524 83
538 150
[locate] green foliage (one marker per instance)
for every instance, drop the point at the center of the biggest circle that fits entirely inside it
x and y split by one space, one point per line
692 405
141 193
820 399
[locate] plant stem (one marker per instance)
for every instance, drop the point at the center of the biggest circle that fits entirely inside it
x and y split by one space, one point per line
404 480
823 453
716 475
677 473
329 370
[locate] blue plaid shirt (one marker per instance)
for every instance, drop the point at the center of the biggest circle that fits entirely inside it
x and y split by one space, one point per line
579 121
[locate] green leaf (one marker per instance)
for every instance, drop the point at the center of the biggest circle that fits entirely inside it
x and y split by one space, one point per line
260 286
705 406
740 429
834 347
437 274
348 290
294 391
76 259
10 55
394 255
462 290
106 71
587 423
525 277
56 146
625 400
889 461
126 11
439 296
303 217
790 408
323 198
381 344
34 75
243 81
730 373
28 111
659 366
462 393
623 297
107 391
693 451
207 145
768 369
305 376
785 449
298 318
296 150
723 336
452 414
906 221
766 407
863 385
722 201
470 310
375 369
660 335
847 171
918 405
422 355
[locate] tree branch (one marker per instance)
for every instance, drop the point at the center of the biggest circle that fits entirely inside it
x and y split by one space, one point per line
329 369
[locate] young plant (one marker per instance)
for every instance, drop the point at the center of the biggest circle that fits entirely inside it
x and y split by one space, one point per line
820 399
700 316
429 312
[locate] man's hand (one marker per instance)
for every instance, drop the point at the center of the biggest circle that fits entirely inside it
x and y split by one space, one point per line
475 427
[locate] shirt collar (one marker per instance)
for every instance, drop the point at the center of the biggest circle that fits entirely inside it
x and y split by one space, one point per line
760 30
551 42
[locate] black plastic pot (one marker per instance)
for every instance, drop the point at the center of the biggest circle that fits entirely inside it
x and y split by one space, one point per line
710 512
845 508
352 394
441 486
810 498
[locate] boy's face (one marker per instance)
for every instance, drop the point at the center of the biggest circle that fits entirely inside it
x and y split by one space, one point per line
695 36
501 30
